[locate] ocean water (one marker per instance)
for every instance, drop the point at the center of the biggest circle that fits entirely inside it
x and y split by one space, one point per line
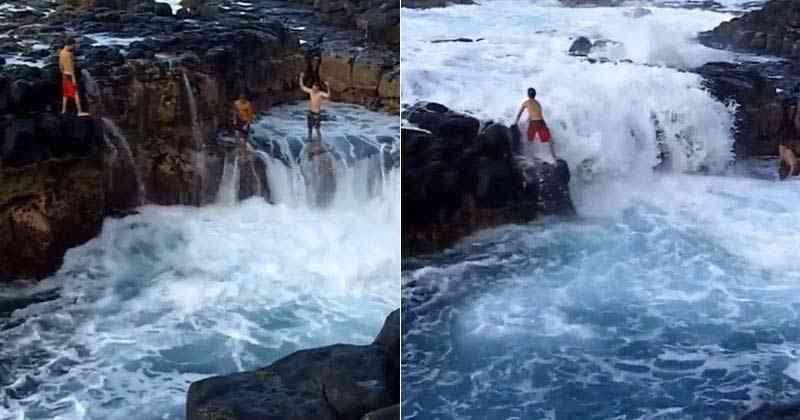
175 294
673 295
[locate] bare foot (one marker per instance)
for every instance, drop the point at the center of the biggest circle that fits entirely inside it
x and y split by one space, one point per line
83 114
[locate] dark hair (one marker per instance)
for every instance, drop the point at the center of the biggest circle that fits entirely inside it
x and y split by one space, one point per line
531 92
69 41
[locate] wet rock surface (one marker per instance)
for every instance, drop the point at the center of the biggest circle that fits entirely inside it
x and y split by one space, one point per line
766 94
771 30
338 382
460 178
159 86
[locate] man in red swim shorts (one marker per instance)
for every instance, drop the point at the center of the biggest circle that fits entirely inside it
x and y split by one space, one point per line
69 84
536 125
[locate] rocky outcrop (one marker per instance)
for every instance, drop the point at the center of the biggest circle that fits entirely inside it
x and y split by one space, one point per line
161 96
377 20
459 178
338 382
765 94
773 29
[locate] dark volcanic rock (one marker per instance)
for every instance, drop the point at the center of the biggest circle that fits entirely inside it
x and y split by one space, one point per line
339 382
581 47
458 180
773 30
766 99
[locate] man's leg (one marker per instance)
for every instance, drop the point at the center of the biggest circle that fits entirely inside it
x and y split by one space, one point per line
788 157
319 134
78 104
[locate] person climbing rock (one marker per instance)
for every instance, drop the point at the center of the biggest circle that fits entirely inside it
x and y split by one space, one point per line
790 145
316 97
243 116
537 128
69 83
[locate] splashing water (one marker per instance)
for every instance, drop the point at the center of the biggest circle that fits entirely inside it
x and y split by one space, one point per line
113 135
605 114
198 144
675 296
175 294
228 193
362 154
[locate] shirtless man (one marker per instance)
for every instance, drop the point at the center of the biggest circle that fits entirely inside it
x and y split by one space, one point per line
69 84
536 125
243 116
315 99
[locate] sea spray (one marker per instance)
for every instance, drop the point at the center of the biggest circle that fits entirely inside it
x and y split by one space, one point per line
199 165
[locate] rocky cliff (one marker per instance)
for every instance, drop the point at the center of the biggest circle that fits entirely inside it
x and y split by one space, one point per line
339 382
160 88
765 91
773 29
458 177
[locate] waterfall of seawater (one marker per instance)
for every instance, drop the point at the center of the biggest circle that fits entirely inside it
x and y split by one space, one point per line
198 145
113 135
228 192
342 170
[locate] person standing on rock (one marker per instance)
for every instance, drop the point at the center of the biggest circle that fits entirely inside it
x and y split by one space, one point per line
537 128
316 97
69 83
243 116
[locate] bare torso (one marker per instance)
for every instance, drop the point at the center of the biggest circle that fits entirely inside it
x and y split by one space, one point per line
315 100
534 110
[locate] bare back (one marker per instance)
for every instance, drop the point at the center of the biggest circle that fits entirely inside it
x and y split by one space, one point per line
66 61
534 110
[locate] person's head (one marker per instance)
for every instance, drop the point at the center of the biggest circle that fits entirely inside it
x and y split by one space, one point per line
243 95
69 43
531 93
315 87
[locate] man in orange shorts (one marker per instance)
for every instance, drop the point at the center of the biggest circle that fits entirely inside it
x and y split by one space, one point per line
536 125
69 84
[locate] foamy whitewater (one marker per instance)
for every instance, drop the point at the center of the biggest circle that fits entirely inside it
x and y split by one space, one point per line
175 294
675 295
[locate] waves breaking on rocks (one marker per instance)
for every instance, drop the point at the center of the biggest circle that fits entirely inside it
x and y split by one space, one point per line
171 295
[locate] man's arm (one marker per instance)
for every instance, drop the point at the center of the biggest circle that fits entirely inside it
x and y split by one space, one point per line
327 93
519 114
302 85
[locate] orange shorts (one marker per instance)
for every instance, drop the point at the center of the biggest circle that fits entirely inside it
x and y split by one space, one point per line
538 128
68 89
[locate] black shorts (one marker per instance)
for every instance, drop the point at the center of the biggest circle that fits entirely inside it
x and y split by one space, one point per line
314 119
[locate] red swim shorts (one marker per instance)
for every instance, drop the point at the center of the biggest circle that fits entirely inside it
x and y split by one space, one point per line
538 128
67 87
